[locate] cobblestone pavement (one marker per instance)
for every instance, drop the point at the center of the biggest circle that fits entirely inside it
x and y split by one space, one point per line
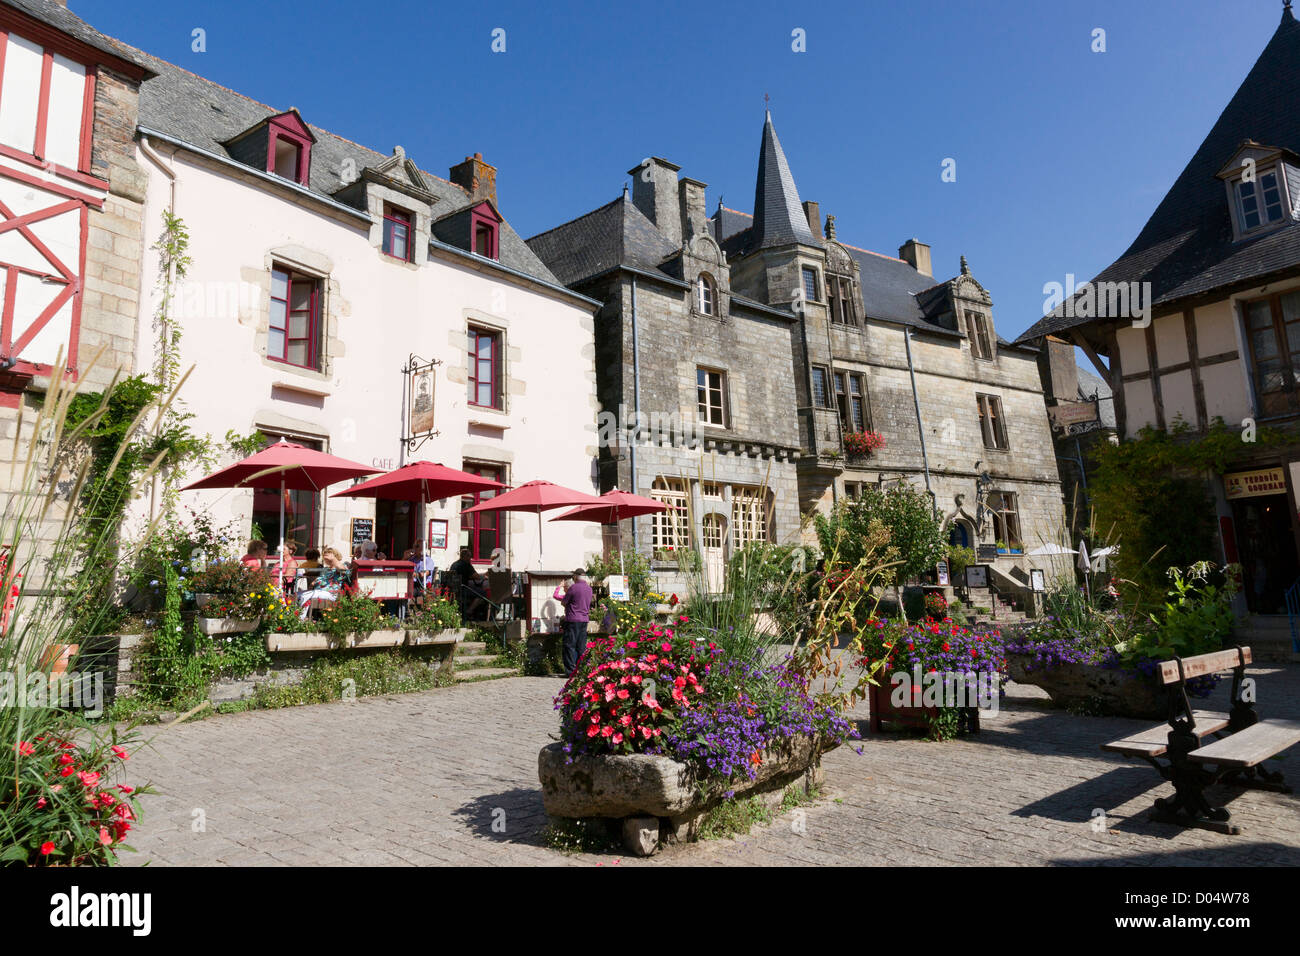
450 777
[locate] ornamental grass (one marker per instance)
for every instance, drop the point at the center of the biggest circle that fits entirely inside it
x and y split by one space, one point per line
61 798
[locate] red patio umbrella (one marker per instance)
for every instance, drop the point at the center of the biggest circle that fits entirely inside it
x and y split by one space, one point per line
422 481
611 508
284 465
535 496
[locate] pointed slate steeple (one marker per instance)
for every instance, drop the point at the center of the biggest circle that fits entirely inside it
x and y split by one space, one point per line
778 214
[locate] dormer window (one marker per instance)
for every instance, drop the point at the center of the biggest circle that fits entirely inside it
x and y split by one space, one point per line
704 294
843 302
485 231
397 233
1257 179
1259 203
977 333
288 147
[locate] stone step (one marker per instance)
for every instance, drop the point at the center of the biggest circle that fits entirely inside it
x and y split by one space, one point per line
477 661
485 673
470 647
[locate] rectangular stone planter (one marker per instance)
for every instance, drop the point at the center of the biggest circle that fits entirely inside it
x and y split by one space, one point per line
423 639
226 625
658 787
307 641
386 638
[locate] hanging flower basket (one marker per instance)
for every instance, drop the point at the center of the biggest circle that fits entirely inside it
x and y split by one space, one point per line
861 444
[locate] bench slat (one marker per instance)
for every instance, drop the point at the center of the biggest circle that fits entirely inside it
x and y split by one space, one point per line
1202 664
1154 742
1251 746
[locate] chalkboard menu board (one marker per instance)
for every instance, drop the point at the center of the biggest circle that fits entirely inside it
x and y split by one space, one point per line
363 529
984 553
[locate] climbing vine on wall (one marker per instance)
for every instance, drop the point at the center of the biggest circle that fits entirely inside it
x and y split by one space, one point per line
1150 495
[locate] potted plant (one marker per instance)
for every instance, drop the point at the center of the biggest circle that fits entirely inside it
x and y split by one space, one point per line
937 674
863 443
436 621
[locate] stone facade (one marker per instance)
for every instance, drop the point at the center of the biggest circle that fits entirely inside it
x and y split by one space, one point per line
816 338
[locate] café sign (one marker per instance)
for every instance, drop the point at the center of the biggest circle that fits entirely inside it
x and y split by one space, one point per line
1251 484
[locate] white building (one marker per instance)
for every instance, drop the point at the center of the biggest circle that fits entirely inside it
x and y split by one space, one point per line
320 271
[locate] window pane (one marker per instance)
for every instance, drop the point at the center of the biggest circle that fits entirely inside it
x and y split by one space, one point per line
1290 307
1293 336
819 387
277 314
298 325
1264 343
300 295
297 353
485 346
1249 204
810 283
1259 315
1272 197
279 284
484 393
275 343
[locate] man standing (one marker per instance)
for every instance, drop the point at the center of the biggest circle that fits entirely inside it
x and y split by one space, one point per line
577 612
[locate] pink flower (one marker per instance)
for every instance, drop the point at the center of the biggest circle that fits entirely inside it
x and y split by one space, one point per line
25 749
88 778
104 838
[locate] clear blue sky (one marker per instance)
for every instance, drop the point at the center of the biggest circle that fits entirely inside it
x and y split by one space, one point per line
1061 153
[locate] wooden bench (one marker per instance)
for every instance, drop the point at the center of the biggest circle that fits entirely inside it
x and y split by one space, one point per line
1242 743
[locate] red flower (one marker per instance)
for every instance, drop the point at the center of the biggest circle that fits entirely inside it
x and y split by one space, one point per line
88 778
47 848
120 754
946 647
41 802
67 772
64 760
25 749
104 838
593 730
755 757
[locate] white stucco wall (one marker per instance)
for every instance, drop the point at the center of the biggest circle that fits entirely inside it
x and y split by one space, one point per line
383 311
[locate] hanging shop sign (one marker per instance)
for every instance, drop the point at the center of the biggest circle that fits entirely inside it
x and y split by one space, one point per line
1252 484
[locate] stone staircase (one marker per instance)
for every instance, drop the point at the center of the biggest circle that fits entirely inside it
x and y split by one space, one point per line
1268 636
474 663
1003 609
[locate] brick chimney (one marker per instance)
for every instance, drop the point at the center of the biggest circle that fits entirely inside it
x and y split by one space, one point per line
477 177
654 192
917 254
690 195
812 212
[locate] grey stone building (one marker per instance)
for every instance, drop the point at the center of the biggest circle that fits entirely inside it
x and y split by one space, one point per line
878 351
696 380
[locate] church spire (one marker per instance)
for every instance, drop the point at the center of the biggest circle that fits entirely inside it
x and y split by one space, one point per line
779 219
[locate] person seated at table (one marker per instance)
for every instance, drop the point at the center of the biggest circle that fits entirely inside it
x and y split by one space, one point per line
288 565
256 554
473 584
312 560
329 582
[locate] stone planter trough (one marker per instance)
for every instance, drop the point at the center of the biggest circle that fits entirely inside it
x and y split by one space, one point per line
1112 691
226 625
657 797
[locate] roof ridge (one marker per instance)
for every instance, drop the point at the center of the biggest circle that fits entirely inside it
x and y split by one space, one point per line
747 215
869 252
569 222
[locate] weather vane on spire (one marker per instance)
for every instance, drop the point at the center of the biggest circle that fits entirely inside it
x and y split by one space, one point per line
767 100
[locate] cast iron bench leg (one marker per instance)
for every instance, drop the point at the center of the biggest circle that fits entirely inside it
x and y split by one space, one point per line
1188 806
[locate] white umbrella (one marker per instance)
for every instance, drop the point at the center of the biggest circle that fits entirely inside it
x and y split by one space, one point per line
1085 563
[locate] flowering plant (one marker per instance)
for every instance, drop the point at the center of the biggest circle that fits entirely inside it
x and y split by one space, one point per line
63 807
935 646
936 608
628 690
438 613
243 590
864 442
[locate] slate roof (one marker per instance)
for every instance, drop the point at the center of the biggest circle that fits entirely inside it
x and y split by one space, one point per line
1187 246
203 114
890 287
615 234
778 215
61 18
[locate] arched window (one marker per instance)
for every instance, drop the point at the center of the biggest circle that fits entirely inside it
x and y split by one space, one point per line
704 294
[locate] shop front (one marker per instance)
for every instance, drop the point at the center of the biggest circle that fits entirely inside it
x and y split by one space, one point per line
1264 533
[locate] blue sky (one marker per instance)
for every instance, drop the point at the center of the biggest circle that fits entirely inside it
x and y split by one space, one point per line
1061 153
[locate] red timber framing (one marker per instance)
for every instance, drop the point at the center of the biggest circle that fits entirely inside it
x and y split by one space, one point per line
65 197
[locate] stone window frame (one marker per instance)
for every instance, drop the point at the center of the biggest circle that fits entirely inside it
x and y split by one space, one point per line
499 371
706 305
393 213
807 272
1006 519
979 332
313 265
822 398
724 408
1235 201
841 294
994 435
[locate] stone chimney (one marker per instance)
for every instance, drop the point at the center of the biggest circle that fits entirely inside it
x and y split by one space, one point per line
477 177
917 254
690 195
654 192
812 212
